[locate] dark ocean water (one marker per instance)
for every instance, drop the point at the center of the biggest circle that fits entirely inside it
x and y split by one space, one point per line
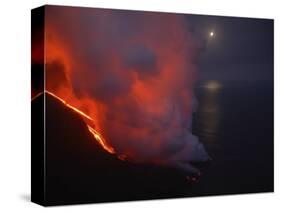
235 123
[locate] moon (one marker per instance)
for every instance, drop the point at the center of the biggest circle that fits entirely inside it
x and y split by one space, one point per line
212 34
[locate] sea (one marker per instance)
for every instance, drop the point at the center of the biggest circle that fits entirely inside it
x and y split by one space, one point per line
235 122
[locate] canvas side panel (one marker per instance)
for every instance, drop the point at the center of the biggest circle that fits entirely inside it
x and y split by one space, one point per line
37 106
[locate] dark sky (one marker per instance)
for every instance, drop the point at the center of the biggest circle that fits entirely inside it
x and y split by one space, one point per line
240 51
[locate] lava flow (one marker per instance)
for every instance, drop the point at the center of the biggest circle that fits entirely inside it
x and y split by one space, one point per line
89 121
101 141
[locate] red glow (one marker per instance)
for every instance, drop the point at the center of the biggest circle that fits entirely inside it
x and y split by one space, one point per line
135 85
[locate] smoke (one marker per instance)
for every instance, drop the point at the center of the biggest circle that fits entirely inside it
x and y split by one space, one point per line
134 73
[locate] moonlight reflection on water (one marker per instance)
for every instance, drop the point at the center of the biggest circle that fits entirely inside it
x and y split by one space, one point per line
213 85
209 112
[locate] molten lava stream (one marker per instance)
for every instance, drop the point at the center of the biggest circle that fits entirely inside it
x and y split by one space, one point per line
90 121
101 141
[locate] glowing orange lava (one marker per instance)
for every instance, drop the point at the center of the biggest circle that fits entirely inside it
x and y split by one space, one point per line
70 106
98 137
101 141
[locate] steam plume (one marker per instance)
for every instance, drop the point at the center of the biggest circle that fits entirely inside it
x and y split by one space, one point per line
134 73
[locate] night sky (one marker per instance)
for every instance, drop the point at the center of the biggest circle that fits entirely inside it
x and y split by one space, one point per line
241 49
